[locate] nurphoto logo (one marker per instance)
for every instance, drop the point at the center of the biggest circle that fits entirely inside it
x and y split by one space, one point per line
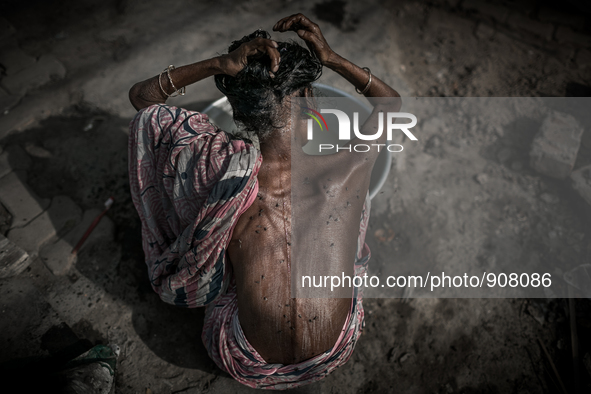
344 132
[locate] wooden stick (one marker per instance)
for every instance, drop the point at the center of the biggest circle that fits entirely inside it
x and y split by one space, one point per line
574 339
96 221
563 389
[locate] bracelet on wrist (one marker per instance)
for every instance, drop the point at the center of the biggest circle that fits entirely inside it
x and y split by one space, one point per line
177 92
366 88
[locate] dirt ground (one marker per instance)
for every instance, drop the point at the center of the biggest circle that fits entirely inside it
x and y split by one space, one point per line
434 206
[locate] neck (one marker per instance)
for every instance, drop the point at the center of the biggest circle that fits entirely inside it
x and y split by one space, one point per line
279 144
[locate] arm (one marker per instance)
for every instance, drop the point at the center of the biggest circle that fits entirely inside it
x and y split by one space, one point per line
148 92
379 94
311 34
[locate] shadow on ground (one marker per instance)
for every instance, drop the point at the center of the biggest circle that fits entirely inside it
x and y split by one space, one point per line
82 154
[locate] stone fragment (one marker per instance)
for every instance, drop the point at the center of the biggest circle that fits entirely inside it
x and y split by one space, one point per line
549 198
554 149
20 200
481 178
13 158
58 256
63 214
404 357
582 182
40 73
13 59
38 151
13 260
537 311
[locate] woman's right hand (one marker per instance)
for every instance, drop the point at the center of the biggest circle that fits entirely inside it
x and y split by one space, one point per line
310 33
235 61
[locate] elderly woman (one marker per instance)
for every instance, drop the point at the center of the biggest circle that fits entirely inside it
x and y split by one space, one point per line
216 211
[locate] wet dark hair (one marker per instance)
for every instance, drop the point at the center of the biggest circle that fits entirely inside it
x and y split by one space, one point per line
255 97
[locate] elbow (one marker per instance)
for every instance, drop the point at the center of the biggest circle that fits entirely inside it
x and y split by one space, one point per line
134 96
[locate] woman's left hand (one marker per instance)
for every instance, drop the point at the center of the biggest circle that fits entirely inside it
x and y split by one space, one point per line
235 61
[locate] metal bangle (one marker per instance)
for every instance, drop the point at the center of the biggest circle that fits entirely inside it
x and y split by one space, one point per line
160 83
176 92
366 88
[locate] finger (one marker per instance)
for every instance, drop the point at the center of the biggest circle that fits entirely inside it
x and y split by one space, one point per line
290 22
280 22
282 26
258 43
283 20
274 55
265 46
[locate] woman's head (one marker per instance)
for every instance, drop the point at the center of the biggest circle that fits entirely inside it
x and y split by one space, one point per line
256 98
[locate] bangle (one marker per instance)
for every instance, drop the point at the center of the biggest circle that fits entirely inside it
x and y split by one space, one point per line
176 92
366 88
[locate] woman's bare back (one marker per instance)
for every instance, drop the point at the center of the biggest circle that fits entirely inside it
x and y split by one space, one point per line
283 329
